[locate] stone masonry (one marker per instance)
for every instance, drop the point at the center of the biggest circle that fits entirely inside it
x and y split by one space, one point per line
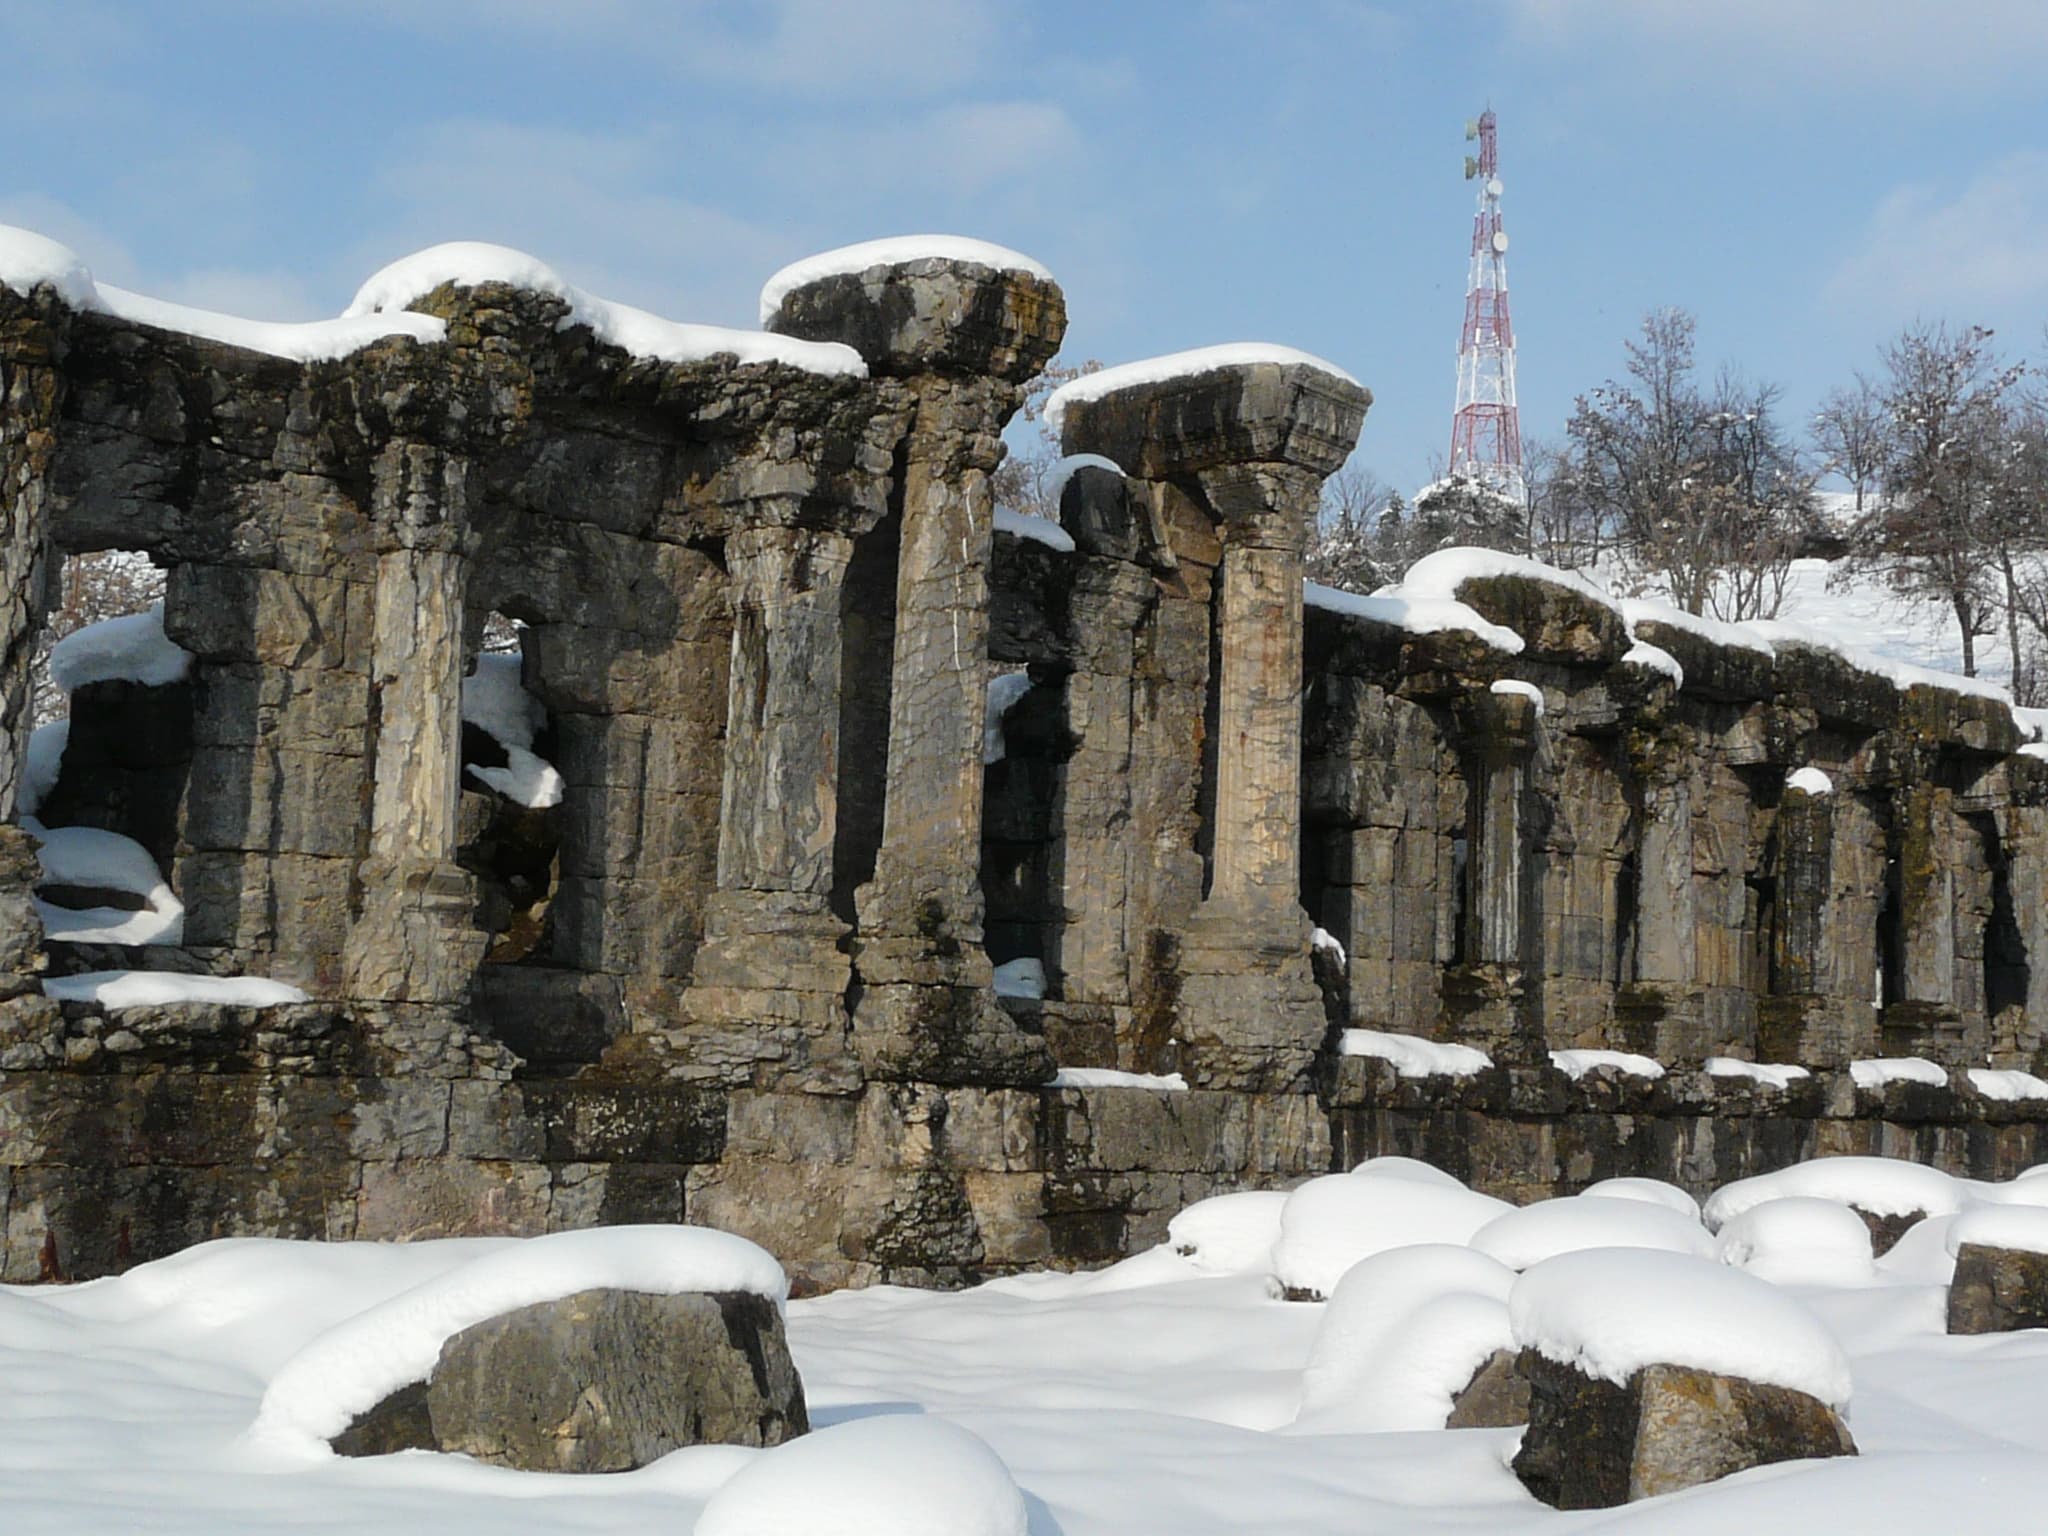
741 974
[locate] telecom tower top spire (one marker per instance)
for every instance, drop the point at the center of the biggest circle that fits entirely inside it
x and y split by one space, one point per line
1486 428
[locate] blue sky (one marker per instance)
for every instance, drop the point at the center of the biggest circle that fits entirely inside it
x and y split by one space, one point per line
1805 175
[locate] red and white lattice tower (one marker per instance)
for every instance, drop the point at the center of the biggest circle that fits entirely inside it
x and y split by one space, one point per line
1486 429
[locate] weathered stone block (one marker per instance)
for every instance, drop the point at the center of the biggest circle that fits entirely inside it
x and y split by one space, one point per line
1594 1444
1997 1290
600 1381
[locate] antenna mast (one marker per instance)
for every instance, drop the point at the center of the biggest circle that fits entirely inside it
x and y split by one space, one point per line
1486 427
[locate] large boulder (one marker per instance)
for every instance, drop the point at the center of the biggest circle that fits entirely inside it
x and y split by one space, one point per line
1592 1444
1650 1372
1998 1290
2001 1278
600 1381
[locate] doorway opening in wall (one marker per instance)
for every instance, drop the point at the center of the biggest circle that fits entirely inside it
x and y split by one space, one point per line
1023 750
1628 885
2006 971
1891 940
511 826
110 755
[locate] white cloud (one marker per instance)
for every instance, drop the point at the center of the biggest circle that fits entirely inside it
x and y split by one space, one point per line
1836 46
1978 254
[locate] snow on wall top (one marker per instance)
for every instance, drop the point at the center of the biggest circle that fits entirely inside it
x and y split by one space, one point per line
469 263
309 341
894 251
1040 530
27 259
1642 610
354 1365
1416 615
157 989
1441 574
132 648
1179 365
1609 1312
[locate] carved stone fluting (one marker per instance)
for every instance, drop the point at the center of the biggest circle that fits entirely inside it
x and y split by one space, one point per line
414 938
1486 999
1829 866
963 338
32 339
1253 442
1921 1017
771 953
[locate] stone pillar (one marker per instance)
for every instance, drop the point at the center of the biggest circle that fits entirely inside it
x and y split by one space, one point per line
33 333
415 939
963 338
1110 610
1923 1019
1486 997
770 954
1822 1011
1253 442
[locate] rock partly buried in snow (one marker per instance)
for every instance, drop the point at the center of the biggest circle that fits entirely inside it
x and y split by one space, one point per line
2001 1279
1413 1338
1592 1444
612 1345
1650 1372
601 1381
1998 1290
895 1475
1330 1223
1497 1396
1891 1195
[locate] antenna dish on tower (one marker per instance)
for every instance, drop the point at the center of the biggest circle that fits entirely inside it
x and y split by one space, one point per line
1471 167
1471 128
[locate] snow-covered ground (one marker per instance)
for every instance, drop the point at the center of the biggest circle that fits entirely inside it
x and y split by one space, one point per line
1171 1393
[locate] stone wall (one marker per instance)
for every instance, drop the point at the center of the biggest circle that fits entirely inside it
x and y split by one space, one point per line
742 972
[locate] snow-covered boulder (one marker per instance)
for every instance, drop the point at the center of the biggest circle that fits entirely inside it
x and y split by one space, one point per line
1888 1193
1405 1336
2001 1275
1331 1223
1229 1234
1528 1236
577 1352
893 1475
1650 1372
1799 1240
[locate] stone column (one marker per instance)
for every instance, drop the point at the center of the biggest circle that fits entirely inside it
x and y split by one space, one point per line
1487 999
415 939
1924 1019
33 331
963 338
1252 441
1824 942
771 955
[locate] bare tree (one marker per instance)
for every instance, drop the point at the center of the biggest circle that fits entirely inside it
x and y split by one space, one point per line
1344 547
1024 481
1851 431
106 584
1703 489
1937 534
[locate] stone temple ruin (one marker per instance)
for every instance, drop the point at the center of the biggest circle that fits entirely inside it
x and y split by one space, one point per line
736 965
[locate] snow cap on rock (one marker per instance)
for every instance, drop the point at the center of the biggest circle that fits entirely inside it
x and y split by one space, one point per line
1608 1313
